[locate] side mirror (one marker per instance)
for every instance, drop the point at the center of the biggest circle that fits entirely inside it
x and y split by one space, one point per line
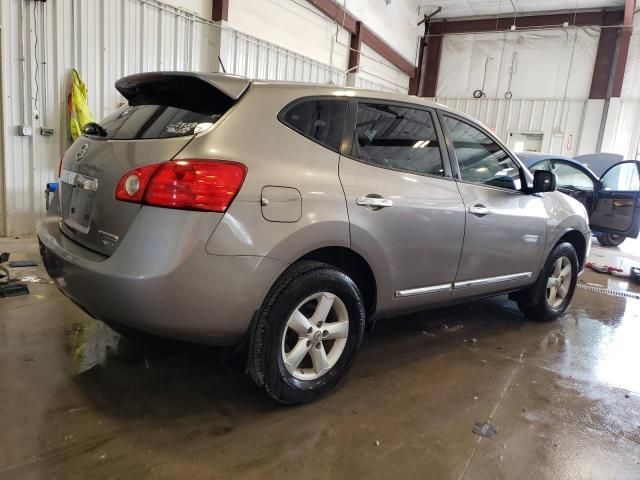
543 181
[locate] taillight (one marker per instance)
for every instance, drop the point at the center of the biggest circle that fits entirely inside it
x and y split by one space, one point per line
60 165
207 185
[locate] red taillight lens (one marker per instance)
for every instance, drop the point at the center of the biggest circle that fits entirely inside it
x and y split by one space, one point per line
208 185
60 165
132 185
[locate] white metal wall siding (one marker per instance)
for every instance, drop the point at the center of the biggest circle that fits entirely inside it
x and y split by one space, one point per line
622 130
105 40
371 85
556 119
251 57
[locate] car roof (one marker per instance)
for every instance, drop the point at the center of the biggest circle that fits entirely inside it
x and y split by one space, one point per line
341 90
600 162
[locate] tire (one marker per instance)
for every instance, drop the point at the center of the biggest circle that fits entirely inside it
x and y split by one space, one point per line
280 333
539 302
610 240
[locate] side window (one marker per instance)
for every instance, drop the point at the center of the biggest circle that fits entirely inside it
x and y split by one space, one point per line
320 120
397 137
623 177
480 158
570 177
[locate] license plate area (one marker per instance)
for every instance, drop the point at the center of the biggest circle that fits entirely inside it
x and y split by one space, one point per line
80 206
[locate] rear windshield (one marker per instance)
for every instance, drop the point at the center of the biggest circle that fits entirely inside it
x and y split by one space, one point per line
152 121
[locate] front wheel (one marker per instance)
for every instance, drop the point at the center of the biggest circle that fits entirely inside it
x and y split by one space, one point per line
307 333
610 240
550 296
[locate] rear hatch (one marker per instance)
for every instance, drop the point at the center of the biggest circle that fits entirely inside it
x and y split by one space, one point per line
165 111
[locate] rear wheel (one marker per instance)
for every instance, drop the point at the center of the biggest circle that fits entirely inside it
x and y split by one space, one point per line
550 296
307 333
610 240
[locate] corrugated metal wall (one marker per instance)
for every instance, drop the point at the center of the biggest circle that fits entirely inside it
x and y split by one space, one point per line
560 121
251 57
105 40
622 130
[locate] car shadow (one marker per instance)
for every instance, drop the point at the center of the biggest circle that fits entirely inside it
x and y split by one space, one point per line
167 379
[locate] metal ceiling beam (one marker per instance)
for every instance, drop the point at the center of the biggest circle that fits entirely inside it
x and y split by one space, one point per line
601 80
336 13
356 46
580 19
623 48
431 46
220 10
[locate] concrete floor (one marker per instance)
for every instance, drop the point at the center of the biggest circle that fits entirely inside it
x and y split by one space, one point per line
78 401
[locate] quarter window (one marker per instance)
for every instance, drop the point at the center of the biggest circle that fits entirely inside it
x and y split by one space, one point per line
319 120
397 137
480 158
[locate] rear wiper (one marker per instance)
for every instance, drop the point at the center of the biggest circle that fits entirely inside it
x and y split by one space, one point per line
93 128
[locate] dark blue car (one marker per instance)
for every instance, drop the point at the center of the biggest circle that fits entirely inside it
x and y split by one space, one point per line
607 185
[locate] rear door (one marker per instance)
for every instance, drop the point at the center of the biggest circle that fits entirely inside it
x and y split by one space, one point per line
617 204
406 214
164 113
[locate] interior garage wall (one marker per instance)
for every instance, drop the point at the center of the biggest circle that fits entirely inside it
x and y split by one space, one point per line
105 40
558 120
622 127
548 73
251 57
294 25
202 8
298 26
394 21
550 86
3 223
545 64
378 74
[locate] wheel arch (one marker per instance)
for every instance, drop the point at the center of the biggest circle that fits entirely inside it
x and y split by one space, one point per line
355 266
579 242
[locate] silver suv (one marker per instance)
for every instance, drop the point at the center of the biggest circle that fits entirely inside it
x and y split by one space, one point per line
286 218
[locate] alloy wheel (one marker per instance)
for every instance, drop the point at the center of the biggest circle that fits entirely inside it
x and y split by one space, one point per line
559 282
315 336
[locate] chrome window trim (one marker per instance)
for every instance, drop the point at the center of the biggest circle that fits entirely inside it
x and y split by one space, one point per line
490 280
424 290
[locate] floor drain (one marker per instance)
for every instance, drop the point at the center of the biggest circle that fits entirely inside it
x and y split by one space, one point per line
608 291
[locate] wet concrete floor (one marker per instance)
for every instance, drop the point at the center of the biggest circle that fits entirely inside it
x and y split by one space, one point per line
79 401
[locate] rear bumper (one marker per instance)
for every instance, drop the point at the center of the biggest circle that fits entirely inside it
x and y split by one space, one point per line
168 286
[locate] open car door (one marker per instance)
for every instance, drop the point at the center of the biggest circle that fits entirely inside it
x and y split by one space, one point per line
617 200
572 179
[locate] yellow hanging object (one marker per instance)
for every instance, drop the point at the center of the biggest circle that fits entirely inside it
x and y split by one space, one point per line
78 105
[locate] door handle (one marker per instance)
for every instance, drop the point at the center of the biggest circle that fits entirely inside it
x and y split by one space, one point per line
374 202
479 210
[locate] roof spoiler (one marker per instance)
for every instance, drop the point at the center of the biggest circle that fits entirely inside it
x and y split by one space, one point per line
206 93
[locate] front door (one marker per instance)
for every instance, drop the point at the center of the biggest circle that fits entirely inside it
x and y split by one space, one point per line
617 204
405 211
505 230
